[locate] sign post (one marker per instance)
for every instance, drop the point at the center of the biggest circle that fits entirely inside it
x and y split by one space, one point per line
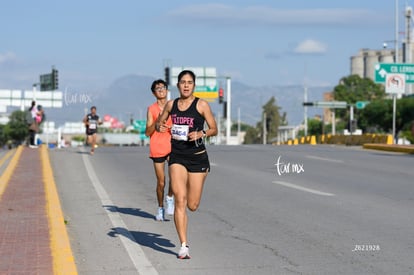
394 76
330 105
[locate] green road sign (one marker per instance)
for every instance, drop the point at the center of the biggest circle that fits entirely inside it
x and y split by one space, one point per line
382 69
140 125
46 82
361 104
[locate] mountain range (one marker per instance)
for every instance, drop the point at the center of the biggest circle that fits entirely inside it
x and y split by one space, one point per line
129 96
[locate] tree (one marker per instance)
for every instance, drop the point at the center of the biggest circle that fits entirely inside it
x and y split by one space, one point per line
254 135
377 116
315 127
272 118
16 129
354 88
405 108
3 138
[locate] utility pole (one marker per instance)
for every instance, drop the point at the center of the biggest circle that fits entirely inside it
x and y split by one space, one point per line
396 32
264 128
305 109
408 55
228 119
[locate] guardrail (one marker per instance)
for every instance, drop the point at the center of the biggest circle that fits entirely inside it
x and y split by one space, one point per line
341 139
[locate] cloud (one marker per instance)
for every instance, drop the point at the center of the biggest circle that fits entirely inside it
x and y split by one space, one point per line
261 15
310 46
7 57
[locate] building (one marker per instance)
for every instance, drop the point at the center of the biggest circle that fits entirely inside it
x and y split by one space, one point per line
363 63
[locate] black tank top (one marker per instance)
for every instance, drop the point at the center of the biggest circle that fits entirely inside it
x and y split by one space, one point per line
195 122
93 122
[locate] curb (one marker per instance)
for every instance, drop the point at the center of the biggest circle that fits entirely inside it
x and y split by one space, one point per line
390 148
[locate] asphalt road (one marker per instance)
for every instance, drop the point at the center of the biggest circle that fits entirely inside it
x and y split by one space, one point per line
265 210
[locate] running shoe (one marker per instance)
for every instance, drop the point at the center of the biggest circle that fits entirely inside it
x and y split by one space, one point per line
184 253
160 214
170 205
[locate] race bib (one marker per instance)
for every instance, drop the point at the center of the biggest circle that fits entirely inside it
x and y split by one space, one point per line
179 132
92 126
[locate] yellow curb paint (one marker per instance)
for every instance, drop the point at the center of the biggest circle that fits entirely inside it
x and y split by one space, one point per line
313 140
5 177
63 260
389 139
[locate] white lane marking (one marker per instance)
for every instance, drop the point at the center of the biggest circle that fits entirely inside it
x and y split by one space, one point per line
301 188
134 250
327 159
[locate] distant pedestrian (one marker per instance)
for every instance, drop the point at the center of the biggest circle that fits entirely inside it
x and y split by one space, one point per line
31 123
188 163
36 115
62 143
91 122
160 147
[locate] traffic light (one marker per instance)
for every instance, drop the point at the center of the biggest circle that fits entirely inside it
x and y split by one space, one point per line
167 75
55 79
307 103
221 95
225 109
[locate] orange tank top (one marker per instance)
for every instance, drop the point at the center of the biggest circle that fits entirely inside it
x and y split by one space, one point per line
160 143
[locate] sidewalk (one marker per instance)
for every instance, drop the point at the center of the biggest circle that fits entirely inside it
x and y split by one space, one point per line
33 237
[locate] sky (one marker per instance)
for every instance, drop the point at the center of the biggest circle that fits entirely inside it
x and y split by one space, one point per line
256 42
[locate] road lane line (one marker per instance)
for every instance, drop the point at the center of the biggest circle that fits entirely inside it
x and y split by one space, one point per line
326 159
5 177
134 250
63 260
301 188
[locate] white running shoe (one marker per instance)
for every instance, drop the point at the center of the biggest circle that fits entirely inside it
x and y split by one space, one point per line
160 214
184 253
170 205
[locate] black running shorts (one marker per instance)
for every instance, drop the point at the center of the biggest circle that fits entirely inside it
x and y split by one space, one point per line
195 163
159 159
